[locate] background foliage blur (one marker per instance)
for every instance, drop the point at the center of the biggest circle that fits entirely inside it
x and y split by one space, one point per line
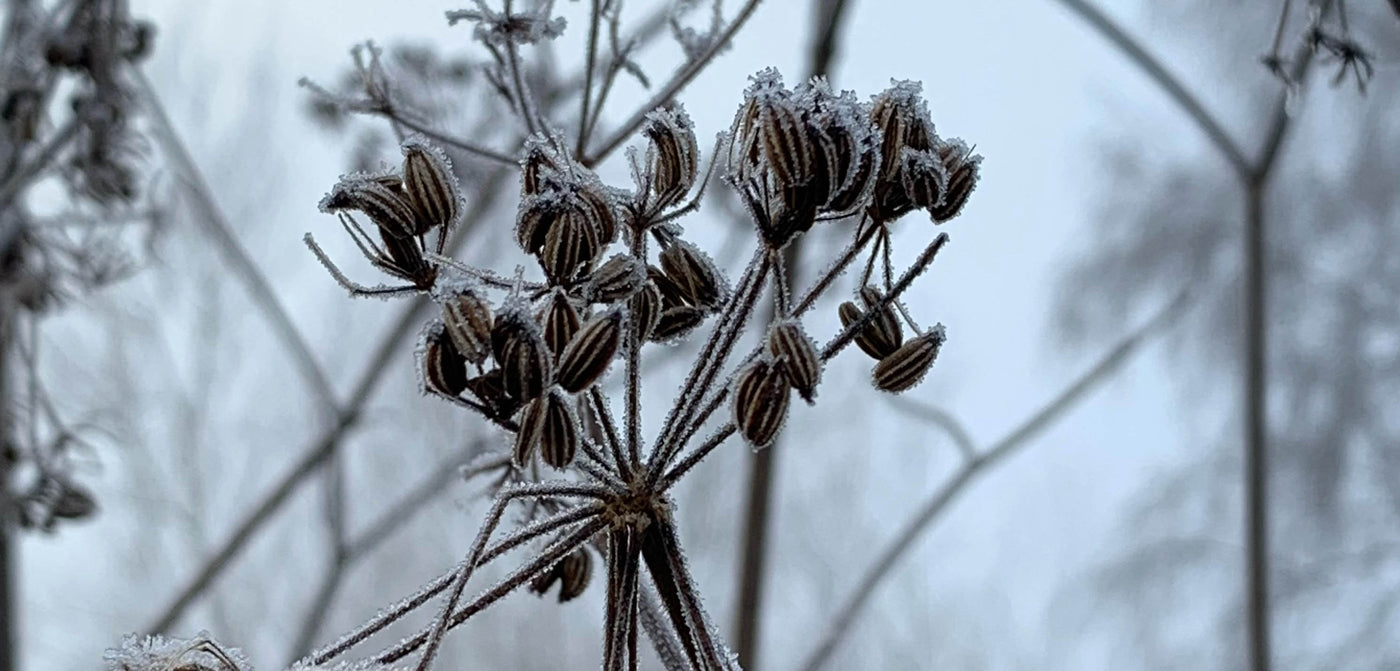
1114 539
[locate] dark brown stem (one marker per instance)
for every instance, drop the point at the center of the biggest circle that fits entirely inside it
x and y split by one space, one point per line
8 622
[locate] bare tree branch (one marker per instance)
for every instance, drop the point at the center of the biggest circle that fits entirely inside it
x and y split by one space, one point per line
1168 82
1021 436
217 226
678 82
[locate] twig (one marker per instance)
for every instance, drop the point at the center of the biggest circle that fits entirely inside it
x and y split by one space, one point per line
376 533
453 141
968 473
217 226
1255 380
829 15
42 159
940 418
1168 82
678 82
327 443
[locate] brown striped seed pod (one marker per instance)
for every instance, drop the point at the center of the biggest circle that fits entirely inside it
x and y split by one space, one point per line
616 279
883 335
539 161
490 389
847 154
379 199
527 437
672 159
522 355
761 401
569 248
598 209
406 260
769 135
901 115
790 345
962 167
693 272
574 571
467 319
589 353
925 178
429 185
444 368
561 322
559 430
676 322
646 309
533 220
671 293
907 366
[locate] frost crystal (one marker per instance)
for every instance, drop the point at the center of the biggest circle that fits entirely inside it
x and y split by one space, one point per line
158 653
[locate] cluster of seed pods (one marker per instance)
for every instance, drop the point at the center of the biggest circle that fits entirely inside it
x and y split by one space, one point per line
530 356
806 154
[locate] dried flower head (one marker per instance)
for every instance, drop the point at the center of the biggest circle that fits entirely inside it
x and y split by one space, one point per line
795 156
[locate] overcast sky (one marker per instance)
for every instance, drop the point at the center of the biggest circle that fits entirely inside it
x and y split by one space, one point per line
1037 93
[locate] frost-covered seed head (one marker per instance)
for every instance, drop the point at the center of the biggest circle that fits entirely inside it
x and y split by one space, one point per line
962 167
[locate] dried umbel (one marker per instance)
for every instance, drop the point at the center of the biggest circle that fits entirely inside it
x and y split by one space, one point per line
402 209
917 166
579 457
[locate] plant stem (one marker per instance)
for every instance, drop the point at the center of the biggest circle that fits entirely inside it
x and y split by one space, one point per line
753 561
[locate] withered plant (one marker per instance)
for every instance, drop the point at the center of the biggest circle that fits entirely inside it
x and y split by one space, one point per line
529 350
